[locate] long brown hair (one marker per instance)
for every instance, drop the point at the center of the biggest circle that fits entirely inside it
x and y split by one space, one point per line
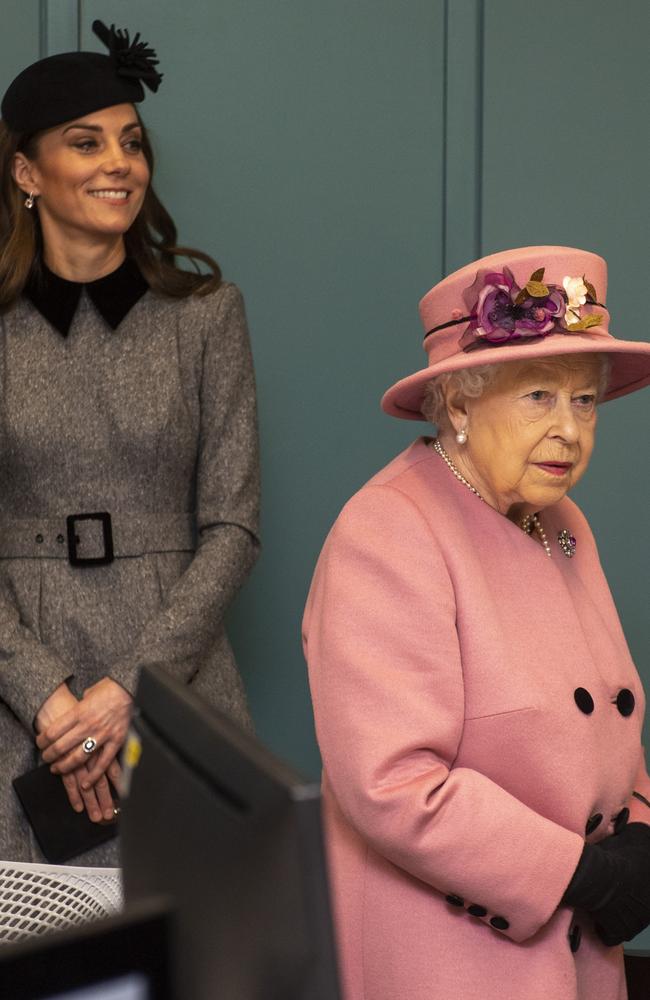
151 240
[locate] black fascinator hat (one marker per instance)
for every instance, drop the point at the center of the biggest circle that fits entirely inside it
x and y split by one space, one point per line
62 87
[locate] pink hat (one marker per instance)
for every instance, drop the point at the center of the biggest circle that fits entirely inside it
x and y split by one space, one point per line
533 302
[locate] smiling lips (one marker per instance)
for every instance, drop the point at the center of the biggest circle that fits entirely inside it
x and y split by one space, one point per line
555 468
112 194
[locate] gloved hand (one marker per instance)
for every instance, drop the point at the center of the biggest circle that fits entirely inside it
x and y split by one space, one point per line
612 882
633 835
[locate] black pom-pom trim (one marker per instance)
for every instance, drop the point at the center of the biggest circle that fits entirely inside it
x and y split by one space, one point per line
133 59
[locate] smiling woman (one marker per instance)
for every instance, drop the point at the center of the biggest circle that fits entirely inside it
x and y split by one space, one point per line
90 178
129 485
55 166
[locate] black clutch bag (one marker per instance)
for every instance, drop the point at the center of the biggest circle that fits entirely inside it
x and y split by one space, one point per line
61 832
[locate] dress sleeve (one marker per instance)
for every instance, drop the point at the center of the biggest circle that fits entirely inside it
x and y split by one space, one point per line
386 678
227 508
29 671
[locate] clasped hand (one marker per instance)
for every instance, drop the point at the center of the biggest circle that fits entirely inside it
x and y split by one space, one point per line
63 724
612 882
627 910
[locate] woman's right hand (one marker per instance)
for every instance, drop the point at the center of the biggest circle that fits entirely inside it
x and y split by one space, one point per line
96 800
103 713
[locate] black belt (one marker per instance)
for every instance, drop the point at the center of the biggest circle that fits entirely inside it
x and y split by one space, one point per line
95 539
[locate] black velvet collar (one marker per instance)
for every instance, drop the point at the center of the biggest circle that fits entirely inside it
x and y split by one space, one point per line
114 295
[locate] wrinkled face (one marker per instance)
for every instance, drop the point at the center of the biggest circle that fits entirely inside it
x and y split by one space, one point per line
531 433
90 174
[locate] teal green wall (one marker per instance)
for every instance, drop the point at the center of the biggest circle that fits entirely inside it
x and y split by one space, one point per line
21 39
337 157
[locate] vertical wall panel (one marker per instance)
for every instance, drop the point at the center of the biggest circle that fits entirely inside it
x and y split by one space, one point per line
61 25
463 132
20 38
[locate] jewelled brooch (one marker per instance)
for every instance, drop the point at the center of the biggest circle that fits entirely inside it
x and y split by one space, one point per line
567 543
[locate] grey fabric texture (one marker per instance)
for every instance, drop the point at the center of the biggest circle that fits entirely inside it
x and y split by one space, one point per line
156 417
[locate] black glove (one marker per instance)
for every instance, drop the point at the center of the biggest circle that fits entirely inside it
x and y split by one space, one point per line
612 882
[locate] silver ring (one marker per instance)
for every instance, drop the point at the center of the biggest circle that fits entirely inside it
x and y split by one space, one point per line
89 745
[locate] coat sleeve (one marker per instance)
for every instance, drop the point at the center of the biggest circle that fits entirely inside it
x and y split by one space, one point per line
29 670
227 508
386 677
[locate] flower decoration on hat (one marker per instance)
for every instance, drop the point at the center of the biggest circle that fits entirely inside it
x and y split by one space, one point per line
134 59
500 311
579 291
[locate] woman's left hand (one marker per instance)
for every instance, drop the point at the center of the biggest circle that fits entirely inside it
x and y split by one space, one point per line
102 714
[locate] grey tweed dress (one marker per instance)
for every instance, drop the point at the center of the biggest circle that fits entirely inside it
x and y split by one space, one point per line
153 422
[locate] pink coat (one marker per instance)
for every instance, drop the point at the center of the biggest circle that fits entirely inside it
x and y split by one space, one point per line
462 771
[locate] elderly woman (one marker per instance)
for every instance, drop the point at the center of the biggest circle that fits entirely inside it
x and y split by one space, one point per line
128 439
478 712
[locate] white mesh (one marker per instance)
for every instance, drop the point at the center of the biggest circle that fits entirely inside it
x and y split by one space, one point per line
35 899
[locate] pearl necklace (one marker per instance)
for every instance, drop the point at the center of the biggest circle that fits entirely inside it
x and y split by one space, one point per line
461 478
529 524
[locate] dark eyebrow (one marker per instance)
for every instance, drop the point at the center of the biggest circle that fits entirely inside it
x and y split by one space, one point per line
97 128
87 128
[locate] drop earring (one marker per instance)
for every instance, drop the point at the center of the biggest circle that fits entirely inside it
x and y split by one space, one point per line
461 436
29 201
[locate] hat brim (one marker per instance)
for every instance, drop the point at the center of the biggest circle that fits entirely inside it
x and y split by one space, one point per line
630 366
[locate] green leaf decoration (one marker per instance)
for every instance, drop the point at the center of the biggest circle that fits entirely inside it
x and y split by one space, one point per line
591 291
538 275
537 289
584 324
523 295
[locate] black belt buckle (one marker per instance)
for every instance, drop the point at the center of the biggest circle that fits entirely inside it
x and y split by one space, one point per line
76 560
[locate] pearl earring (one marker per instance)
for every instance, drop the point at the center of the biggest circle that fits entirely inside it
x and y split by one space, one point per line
461 437
29 201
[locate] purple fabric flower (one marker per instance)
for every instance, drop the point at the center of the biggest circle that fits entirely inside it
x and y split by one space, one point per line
541 314
500 313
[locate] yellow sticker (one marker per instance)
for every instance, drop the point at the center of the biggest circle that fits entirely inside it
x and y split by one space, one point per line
132 751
